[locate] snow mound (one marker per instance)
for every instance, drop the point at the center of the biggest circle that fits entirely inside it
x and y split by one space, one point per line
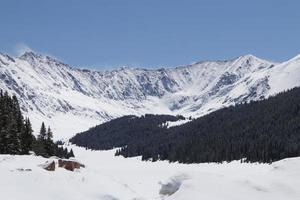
172 185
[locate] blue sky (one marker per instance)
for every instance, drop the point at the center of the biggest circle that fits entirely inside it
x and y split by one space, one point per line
150 33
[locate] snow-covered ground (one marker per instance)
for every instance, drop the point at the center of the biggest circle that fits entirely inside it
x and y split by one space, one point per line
176 123
115 178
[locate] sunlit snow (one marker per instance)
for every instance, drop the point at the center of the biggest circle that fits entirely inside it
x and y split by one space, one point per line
115 178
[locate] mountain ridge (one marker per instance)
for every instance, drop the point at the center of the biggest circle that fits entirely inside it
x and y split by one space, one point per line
241 57
72 100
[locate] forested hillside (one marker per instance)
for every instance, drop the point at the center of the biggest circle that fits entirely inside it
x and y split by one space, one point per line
16 133
263 131
122 131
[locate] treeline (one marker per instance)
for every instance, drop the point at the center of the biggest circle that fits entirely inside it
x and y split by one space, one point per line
263 131
122 131
16 133
44 145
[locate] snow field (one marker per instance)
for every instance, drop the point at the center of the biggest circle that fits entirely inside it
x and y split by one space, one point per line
107 177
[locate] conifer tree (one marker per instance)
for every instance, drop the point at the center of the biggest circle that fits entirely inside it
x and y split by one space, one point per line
4 118
40 144
49 134
71 154
27 138
11 125
49 145
43 133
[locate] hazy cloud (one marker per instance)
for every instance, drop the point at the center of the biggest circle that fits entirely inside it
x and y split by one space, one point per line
21 48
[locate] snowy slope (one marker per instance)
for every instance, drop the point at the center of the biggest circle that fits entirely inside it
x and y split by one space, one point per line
285 75
115 178
72 100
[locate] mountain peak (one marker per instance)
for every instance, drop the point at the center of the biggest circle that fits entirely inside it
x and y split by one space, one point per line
33 57
248 57
30 55
251 59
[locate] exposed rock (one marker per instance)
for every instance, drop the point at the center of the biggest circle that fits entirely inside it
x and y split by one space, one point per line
49 166
69 164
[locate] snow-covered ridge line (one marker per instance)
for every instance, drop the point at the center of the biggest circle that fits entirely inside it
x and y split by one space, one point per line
72 100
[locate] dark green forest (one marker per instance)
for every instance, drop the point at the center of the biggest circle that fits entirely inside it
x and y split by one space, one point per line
263 131
122 131
16 133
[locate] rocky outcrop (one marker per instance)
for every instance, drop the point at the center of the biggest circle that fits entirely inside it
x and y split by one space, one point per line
70 165
49 166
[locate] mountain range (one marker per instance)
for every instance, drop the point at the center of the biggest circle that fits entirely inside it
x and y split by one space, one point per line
71 100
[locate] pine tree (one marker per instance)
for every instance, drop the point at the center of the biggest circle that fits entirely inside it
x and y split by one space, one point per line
49 134
40 144
13 143
65 153
43 133
71 154
49 145
3 123
27 138
13 127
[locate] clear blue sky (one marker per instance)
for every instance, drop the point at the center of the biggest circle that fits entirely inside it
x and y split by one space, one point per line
150 33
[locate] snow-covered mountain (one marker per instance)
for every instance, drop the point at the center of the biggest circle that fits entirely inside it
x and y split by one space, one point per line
71 100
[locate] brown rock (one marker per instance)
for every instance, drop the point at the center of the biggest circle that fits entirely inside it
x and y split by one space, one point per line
69 165
60 163
50 166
